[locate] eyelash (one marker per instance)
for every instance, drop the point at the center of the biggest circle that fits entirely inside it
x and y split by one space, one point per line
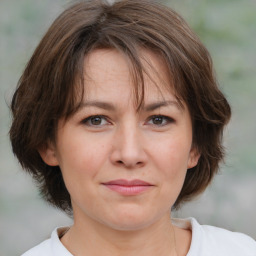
86 121
168 120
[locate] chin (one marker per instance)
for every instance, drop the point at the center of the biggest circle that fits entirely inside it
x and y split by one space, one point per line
130 221
129 225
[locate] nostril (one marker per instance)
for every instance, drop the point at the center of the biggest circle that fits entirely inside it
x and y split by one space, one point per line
129 164
139 164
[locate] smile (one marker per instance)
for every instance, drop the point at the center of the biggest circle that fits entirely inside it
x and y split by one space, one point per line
128 188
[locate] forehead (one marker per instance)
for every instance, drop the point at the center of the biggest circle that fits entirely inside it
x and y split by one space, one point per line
108 72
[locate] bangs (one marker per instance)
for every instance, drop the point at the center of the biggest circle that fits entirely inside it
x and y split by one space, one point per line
140 68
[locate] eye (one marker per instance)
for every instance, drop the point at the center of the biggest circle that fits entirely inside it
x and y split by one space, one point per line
95 121
159 120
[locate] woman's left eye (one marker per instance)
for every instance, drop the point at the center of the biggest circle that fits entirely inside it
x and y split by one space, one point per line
159 120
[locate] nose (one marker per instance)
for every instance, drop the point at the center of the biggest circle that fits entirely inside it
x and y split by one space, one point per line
128 148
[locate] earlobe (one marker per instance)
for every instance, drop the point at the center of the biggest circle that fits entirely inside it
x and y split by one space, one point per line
194 156
48 154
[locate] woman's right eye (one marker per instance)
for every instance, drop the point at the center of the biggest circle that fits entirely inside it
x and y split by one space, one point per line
97 120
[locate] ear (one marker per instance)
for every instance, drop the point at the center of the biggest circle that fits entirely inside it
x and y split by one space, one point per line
48 154
194 156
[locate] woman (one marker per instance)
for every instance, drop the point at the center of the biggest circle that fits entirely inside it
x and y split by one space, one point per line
118 117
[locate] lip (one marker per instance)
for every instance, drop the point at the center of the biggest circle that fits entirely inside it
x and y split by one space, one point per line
128 187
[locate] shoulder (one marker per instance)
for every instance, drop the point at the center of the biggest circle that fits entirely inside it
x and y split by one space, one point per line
218 241
42 249
50 247
213 241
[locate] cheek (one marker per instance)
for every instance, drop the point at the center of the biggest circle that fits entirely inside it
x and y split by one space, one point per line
80 162
80 157
170 168
172 156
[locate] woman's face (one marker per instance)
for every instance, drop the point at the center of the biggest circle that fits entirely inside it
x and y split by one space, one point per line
123 169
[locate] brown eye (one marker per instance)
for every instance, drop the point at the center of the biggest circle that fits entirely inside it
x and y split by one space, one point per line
157 120
95 121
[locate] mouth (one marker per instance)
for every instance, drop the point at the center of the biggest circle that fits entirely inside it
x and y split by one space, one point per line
128 187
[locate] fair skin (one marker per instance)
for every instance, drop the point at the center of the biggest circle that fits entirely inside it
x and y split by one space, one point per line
106 141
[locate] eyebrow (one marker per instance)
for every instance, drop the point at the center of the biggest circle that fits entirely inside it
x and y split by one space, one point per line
98 104
156 105
147 108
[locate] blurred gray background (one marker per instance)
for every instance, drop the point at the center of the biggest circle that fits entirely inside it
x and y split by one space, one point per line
228 29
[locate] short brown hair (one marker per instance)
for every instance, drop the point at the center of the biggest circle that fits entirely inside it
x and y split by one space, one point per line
48 88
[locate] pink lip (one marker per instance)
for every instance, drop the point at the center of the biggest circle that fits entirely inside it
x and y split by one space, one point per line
128 188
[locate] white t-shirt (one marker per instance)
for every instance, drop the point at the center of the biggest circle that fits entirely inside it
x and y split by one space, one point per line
206 241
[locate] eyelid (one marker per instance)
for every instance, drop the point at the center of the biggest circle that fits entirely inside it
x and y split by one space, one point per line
85 121
167 118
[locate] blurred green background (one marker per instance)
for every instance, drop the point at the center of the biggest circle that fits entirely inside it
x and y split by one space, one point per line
228 29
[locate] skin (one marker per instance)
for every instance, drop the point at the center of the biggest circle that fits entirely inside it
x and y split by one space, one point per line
124 144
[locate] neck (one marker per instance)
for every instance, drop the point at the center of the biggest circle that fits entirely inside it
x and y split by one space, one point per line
92 238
